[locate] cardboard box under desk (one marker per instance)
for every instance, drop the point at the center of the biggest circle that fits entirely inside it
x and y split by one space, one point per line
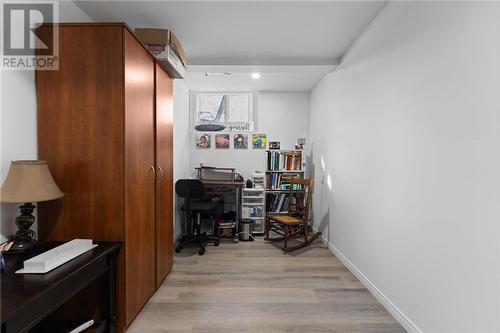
226 232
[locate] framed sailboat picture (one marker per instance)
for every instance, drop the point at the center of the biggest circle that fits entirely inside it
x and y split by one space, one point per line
223 112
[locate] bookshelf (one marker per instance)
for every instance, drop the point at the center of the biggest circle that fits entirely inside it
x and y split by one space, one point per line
280 165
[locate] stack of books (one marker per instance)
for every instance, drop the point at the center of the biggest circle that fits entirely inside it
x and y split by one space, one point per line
279 161
280 181
278 202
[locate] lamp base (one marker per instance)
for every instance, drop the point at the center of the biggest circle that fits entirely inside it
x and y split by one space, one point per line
24 239
21 246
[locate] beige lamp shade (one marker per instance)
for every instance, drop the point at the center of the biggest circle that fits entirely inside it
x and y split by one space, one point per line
29 181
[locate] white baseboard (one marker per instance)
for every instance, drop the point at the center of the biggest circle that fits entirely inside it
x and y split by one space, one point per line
383 299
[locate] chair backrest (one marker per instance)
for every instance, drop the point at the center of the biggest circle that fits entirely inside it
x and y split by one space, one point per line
300 197
190 188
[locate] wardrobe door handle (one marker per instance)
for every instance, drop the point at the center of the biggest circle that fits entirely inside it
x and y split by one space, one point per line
153 173
160 174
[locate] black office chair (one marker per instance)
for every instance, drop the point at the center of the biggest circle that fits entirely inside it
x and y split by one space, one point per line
196 205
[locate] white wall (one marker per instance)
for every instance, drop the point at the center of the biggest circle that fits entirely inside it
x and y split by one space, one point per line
282 116
18 133
18 119
182 136
408 131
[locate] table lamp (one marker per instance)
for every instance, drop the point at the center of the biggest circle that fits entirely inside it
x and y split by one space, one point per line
27 182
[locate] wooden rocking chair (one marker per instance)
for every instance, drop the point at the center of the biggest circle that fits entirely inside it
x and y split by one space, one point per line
295 223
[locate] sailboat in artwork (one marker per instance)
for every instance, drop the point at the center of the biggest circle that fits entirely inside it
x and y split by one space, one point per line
209 123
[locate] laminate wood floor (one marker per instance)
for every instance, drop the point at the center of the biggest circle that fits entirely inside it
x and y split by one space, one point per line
254 287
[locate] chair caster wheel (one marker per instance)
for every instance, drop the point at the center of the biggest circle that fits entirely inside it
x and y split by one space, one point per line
217 243
178 249
201 251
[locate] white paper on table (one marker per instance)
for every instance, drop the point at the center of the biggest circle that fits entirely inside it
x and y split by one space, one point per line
57 256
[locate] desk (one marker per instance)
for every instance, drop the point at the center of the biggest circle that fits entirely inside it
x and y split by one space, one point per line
237 185
28 298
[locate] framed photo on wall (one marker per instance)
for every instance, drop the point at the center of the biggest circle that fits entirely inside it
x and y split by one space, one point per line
259 141
240 141
222 141
274 145
203 140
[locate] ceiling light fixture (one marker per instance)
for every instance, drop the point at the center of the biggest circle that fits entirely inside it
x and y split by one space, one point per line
217 73
255 76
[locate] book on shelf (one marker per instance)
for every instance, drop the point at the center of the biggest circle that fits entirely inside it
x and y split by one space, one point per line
278 202
284 160
280 181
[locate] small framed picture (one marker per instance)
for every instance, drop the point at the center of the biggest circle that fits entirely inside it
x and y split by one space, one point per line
274 145
259 141
222 141
240 141
203 141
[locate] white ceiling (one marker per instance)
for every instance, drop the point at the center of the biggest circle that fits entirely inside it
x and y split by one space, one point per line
229 33
273 78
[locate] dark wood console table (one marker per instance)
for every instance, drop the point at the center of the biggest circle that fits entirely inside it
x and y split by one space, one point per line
29 298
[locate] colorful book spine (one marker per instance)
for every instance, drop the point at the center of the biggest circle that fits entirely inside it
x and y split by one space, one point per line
282 161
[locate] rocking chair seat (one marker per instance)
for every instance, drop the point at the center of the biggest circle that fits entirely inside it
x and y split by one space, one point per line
295 223
286 219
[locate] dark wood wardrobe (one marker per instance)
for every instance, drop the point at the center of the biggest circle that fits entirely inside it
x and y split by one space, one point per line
105 129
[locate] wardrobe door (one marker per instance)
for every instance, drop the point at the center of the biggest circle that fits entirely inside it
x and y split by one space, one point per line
164 186
139 176
80 134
